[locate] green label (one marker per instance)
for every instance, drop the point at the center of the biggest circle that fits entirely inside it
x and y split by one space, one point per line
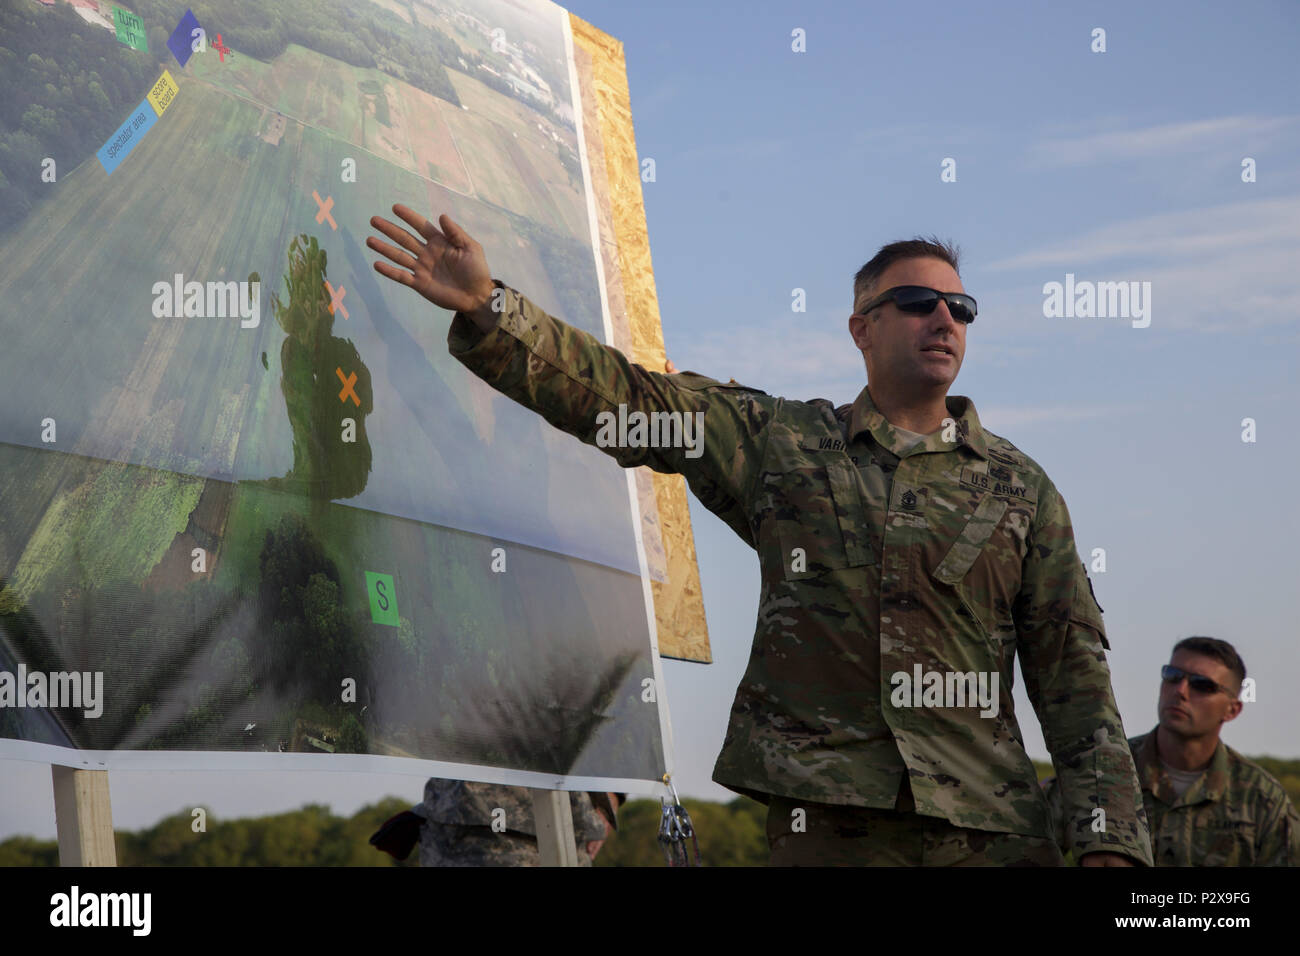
130 29
383 598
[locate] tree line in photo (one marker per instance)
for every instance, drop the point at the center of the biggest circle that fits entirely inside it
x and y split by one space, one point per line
730 834
77 83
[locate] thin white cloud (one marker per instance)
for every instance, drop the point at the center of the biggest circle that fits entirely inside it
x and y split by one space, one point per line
1232 266
904 137
738 149
1238 131
1170 236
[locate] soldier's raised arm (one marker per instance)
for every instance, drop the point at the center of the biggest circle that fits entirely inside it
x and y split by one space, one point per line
710 432
1061 641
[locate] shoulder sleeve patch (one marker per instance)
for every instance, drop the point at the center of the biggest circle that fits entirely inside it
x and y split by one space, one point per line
1091 592
1085 609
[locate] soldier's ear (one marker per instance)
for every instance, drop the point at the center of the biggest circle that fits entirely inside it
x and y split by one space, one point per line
860 329
1234 709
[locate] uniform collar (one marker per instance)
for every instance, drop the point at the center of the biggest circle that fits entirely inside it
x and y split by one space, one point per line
1211 785
866 417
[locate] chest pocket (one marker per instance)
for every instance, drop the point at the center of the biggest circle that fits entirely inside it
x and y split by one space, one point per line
1223 842
821 520
958 561
970 543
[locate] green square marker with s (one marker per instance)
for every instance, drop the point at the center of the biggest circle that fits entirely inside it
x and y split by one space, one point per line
383 598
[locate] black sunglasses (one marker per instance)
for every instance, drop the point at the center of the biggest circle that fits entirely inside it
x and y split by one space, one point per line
1197 682
920 300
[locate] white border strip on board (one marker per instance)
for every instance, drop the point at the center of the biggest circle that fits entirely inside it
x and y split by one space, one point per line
234 761
661 696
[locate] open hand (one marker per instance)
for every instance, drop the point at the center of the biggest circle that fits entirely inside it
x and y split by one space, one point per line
445 265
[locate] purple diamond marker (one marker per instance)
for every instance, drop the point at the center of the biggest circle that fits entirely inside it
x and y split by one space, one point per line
181 40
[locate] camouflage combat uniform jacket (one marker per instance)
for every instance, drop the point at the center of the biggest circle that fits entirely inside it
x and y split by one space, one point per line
1236 814
453 804
876 560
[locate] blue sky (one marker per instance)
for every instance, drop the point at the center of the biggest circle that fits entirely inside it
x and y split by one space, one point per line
778 170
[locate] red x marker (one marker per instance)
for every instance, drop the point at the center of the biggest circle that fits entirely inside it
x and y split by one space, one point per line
336 298
348 382
221 48
325 205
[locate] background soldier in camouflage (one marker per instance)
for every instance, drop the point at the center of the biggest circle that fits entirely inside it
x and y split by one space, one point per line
459 816
1207 804
895 537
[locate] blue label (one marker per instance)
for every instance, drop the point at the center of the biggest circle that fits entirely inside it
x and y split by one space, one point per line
126 137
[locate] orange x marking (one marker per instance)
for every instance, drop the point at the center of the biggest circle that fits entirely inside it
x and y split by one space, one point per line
325 205
348 391
336 298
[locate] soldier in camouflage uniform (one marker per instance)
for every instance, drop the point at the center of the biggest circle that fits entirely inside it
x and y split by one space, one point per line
897 540
1207 804
459 818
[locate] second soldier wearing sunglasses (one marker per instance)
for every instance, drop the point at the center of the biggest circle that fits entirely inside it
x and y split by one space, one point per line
898 541
1207 804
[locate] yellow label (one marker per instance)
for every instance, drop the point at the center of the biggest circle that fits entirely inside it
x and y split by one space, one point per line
163 92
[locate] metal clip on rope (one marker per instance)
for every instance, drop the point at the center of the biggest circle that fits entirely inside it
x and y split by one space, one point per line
675 829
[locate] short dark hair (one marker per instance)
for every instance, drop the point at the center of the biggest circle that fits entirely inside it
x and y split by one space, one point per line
1221 651
919 248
